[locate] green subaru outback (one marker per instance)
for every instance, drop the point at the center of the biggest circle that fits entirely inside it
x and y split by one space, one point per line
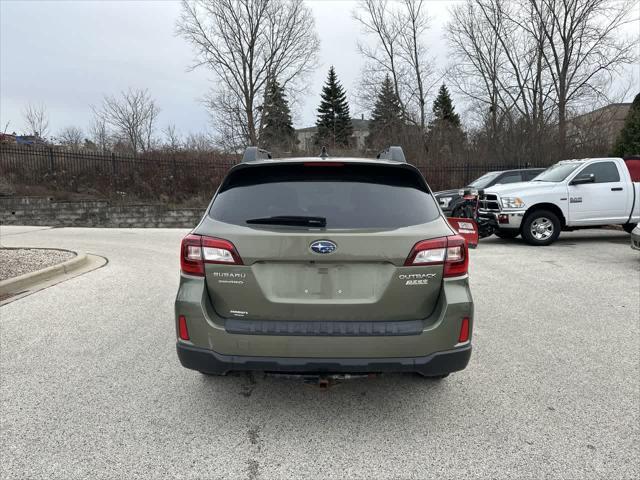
319 266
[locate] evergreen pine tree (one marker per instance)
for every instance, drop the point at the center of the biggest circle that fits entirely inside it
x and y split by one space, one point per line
443 109
445 135
277 130
334 122
628 142
386 120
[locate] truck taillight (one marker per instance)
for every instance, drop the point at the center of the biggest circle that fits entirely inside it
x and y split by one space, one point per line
450 251
196 250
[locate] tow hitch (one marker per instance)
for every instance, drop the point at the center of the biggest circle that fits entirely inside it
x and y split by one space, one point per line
323 382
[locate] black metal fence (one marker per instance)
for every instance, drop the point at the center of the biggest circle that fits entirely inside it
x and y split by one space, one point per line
179 177
171 176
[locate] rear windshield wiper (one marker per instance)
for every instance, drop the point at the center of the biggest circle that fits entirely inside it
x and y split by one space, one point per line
295 220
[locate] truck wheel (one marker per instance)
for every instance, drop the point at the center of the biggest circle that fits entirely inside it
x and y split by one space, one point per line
507 234
541 228
627 227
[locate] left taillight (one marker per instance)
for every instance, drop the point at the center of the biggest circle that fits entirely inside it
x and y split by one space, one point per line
196 250
451 251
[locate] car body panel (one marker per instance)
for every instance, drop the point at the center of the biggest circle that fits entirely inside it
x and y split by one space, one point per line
363 279
600 203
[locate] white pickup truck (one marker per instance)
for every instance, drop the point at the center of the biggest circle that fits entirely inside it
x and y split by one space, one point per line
569 195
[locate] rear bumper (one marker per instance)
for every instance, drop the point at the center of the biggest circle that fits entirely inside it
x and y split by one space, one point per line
310 339
208 361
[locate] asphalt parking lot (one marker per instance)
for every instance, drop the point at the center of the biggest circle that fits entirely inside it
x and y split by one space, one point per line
91 386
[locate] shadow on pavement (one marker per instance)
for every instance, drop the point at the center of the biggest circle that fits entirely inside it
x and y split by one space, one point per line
566 239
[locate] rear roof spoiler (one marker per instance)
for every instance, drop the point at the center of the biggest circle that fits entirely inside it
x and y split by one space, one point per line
251 154
394 153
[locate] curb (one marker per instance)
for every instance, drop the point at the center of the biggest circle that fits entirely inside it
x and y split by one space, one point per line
28 280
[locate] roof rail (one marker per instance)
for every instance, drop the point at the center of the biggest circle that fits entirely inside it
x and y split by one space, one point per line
393 153
252 154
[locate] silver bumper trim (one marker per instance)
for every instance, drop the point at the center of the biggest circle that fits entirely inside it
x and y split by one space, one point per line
514 217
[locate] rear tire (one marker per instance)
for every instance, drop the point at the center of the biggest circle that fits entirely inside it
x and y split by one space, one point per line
507 234
628 227
541 228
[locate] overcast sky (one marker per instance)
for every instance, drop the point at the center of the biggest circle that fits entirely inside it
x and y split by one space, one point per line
68 54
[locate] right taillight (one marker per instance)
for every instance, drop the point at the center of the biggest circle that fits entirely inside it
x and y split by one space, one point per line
183 331
451 251
196 250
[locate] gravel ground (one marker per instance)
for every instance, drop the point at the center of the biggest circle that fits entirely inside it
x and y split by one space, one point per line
18 261
90 385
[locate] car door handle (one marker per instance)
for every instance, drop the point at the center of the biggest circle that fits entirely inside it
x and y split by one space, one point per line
616 189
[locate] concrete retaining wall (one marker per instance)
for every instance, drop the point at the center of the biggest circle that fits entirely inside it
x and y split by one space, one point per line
93 213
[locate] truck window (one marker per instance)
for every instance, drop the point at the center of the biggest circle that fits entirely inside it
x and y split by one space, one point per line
484 180
531 174
605 172
509 178
557 172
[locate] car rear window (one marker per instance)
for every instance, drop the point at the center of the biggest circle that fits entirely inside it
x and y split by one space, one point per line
347 195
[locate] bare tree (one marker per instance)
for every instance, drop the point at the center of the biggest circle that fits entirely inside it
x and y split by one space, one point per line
172 139
534 62
228 118
583 49
246 42
36 119
198 142
499 65
415 21
149 126
71 137
132 116
99 133
478 62
398 51
377 20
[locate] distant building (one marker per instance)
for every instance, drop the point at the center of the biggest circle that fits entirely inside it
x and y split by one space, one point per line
600 126
21 139
358 138
30 140
7 138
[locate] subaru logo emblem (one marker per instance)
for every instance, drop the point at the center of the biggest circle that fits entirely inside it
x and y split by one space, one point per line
323 246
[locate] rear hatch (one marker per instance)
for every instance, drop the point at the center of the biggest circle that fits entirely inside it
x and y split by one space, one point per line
324 241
